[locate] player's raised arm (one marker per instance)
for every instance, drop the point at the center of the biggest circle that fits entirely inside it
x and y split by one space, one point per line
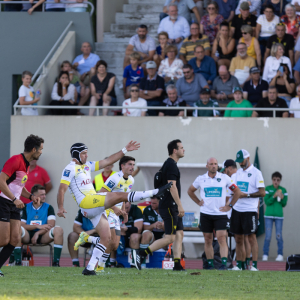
60 199
131 146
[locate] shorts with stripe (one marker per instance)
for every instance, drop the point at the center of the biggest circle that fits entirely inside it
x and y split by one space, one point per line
171 220
93 200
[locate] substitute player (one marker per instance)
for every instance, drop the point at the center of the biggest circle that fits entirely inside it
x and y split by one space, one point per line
77 177
213 191
244 210
12 185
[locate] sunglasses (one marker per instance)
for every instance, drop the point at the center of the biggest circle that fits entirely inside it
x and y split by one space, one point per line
136 91
244 32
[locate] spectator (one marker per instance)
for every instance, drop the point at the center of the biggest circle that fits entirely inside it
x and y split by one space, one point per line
223 86
241 64
101 178
190 86
284 83
161 53
295 103
76 7
226 9
38 220
265 27
132 230
291 21
172 101
57 6
176 26
12 7
224 46
277 5
244 18
254 7
27 95
85 64
73 75
154 228
210 23
297 6
102 88
256 88
132 73
37 175
253 49
152 88
273 62
134 101
238 102
196 38
81 223
205 101
184 9
271 101
297 71
275 199
285 39
171 67
63 94
203 64
142 43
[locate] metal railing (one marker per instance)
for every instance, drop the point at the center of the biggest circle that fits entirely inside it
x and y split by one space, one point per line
185 109
48 2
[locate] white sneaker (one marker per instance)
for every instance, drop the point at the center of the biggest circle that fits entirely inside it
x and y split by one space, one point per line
253 269
279 257
265 257
235 268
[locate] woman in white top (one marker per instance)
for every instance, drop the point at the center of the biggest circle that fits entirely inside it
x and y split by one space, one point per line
134 101
273 62
63 93
171 67
27 95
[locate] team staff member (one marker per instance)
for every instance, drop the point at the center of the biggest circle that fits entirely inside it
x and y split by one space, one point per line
213 191
170 208
244 217
103 176
12 185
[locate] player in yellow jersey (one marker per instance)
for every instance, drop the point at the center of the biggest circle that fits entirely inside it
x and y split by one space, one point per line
77 178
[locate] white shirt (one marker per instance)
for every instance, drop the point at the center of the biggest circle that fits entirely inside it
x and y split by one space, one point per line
173 70
248 181
213 192
75 4
148 45
296 1
28 93
129 107
70 95
295 103
272 65
267 28
254 7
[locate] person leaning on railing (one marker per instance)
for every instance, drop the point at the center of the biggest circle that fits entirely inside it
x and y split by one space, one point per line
57 6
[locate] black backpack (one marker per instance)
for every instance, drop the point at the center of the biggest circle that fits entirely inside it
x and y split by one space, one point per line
293 263
158 180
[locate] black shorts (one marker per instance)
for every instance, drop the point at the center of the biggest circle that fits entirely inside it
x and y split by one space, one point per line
209 223
171 220
8 210
32 233
243 222
158 234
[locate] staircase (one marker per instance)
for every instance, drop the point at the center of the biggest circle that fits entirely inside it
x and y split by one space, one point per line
112 50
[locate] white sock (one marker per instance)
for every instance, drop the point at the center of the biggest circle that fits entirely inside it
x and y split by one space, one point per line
138 196
75 259
93 240
97 253
104 258
112 260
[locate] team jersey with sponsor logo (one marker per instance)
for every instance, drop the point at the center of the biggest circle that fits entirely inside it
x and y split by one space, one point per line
213 192
150 216
248 181
17 169
78 178
117 183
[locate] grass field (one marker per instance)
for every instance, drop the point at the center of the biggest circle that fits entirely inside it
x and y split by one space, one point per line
68 283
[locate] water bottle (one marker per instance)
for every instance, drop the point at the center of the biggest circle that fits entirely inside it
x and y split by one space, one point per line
278 198
37 94
217 54
159 218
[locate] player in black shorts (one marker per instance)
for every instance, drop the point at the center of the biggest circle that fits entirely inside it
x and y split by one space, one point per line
170 208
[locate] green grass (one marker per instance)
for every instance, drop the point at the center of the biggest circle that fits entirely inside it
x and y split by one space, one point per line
68 283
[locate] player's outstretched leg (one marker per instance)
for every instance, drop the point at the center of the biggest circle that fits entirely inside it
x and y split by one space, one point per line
85 238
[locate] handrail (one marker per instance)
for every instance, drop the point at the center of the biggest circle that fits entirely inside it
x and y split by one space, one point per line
49 2
184 108
51 51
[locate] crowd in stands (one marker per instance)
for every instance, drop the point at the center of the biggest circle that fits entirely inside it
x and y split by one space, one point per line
239 55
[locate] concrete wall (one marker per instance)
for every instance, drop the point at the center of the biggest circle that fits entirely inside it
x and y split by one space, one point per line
202 138
106 10
25 42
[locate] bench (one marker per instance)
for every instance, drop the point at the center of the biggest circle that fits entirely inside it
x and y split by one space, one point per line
192 237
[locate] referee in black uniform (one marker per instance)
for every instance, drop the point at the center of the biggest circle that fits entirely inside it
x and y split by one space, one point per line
170 207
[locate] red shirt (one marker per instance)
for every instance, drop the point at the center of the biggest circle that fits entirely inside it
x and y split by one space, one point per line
16 168
37 176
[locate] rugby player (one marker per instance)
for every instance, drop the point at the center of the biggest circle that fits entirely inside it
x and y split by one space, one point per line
213 191
77 177
13 178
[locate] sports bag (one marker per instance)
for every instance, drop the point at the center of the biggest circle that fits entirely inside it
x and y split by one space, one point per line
293 263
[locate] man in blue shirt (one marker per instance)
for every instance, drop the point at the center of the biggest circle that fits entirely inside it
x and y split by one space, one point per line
204 64
226 9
